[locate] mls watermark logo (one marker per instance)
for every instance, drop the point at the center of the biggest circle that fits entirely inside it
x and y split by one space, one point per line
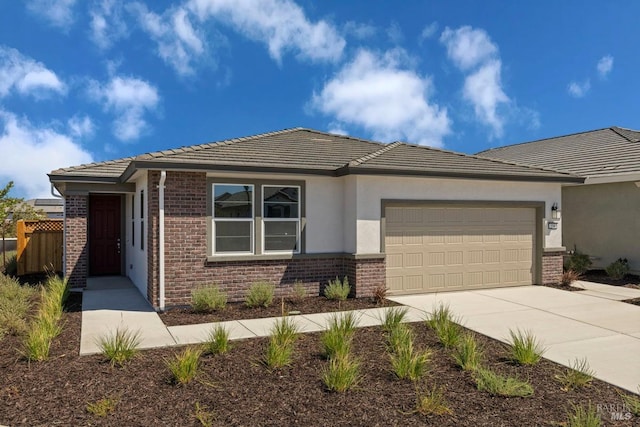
614 411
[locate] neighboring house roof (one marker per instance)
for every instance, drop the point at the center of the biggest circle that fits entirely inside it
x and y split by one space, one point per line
594 154
310 152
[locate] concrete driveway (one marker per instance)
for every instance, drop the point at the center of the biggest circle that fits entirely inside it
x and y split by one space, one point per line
592 323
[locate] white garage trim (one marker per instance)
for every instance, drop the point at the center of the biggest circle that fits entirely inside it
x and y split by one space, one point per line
435 246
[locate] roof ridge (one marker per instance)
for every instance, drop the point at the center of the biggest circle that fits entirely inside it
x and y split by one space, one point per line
338 135
617 129
491 159
197 147
374 154
544 139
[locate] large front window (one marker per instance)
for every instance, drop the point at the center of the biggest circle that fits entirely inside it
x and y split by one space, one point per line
281 218
233 219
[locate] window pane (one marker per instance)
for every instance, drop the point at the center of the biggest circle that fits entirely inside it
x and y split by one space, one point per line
233 201
233 236
281 202
281 236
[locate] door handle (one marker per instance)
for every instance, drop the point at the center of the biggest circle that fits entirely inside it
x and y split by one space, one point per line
118 244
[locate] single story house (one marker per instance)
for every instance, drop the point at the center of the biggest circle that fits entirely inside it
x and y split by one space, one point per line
305 206
601 217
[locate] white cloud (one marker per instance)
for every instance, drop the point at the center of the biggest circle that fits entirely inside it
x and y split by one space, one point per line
107 24
129 99
179 43
382 95
473 52
394 32
81 127
468 47
483 90
26 76
429 31
280 24
605 65
359 30
579 89
46 150
59 13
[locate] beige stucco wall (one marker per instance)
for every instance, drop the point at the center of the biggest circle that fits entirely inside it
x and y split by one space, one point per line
603 221
372 189
136 259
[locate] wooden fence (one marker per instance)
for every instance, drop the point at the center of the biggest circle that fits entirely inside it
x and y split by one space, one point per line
39 246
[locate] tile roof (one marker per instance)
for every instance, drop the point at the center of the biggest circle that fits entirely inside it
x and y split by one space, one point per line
595 153
310 151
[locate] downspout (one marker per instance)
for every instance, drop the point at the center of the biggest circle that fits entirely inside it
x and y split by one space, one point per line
163 177
64 226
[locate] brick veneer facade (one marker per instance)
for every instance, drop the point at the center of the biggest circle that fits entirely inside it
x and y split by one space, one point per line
552 267
186 265
76 251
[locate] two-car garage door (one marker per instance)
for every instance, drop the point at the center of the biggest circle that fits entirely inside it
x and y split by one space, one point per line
437 248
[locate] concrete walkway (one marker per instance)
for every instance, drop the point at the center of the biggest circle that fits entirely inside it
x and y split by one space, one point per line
591 323
110 303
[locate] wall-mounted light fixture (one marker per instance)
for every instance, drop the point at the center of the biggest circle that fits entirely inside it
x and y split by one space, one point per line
554 211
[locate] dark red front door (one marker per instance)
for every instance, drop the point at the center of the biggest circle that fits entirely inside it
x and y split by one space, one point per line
104 235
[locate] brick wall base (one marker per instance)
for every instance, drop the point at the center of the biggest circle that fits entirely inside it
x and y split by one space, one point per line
75 230
552 267
236 277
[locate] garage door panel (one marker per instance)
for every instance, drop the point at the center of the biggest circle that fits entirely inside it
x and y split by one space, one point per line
459 248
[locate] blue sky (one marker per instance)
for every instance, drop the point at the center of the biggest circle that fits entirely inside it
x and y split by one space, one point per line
84 80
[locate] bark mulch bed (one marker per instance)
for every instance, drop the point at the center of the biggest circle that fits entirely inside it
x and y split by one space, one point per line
239 311
237 389
563 287
600 276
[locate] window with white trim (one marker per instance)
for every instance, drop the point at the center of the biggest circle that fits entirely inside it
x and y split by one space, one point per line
280 219
233 219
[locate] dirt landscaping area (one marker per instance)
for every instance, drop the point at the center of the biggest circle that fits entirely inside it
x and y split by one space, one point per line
237 389
280 307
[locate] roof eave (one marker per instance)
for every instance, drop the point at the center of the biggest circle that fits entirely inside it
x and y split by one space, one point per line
346 170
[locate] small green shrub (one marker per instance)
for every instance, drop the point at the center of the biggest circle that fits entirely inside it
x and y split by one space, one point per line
346 322
298 292
408 364
13 316
203 415
468 354
119 347
102 407
184 366
632 402
393 317
11 267
398 337
578 262
279 352
618 269
260 295
446 325
525 349
341 373
207 299
581 416
577 376
432 402
336 340
338 290
449 334
440 314
217 340
497 385
37 343
58 289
